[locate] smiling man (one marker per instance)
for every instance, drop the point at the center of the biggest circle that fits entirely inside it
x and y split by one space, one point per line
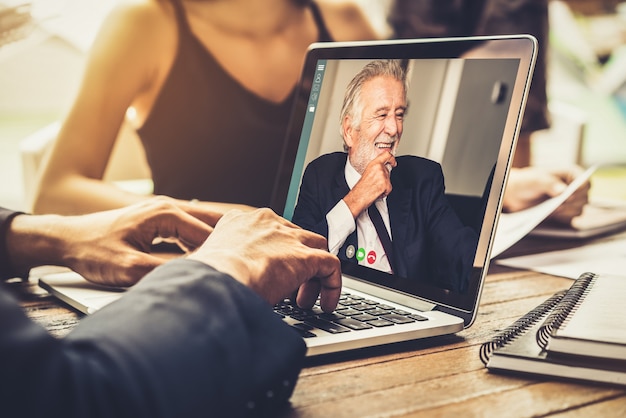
382 211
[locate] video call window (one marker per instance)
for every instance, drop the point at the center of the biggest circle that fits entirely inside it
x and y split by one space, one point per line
441 125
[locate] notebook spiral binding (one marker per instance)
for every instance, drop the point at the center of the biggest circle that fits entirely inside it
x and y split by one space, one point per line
519 327
568 304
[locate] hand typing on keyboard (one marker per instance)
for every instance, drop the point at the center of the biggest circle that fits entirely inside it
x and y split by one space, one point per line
353 313
274 258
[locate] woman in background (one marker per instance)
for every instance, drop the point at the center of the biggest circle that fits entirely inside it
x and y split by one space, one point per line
211 85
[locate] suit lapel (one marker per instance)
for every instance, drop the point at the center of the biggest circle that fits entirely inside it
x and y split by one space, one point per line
339 190
340 186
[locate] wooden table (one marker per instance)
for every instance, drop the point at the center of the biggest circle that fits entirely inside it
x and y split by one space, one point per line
440 376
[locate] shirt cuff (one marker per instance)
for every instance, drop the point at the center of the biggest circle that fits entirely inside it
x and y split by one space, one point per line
340 225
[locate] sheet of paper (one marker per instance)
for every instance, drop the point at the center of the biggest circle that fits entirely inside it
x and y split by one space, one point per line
514 226
605 257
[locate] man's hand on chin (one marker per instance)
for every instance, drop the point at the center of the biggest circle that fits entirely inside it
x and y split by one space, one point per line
375 183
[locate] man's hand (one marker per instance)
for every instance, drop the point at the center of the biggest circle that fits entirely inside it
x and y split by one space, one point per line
209 212
110 247
375 183
274 258
530 186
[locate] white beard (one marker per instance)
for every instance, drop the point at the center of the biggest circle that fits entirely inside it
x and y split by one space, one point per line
365 151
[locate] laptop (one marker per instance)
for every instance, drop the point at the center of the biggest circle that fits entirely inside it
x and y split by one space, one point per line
467 97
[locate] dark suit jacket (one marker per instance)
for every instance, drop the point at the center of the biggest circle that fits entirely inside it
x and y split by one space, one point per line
429 241
186 341
6 270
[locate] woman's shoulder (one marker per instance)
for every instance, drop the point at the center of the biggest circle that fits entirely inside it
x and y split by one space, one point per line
346 21
139 21
143 15
135 30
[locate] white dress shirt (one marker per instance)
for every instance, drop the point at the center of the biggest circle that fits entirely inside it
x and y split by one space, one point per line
341 224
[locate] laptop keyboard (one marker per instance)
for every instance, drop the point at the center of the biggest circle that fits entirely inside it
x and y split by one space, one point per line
353 313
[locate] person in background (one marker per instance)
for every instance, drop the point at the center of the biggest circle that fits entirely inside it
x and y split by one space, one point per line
210 85
527 185
195 337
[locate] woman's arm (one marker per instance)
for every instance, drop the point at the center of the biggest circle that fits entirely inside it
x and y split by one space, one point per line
126 61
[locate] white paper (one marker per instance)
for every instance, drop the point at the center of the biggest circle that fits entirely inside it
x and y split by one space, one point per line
512 227
605 257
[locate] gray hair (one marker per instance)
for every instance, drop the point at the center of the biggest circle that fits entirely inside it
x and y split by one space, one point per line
352 105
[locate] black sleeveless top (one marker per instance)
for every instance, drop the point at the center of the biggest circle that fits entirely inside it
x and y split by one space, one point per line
209 138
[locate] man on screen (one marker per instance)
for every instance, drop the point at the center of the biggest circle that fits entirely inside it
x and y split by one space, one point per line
343 193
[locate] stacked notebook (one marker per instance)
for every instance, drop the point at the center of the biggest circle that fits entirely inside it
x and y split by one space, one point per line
576 334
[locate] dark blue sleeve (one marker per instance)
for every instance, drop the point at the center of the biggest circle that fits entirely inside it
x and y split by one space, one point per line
311 209
186 341
6 272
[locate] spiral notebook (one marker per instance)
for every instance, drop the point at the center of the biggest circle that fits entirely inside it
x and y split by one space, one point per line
576 334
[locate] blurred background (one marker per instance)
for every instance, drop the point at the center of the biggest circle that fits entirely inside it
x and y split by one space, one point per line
43 45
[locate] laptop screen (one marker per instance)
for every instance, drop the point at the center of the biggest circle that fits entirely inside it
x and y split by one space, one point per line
451 138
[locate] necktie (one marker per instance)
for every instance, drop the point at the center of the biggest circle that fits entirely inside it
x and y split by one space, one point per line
381 230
